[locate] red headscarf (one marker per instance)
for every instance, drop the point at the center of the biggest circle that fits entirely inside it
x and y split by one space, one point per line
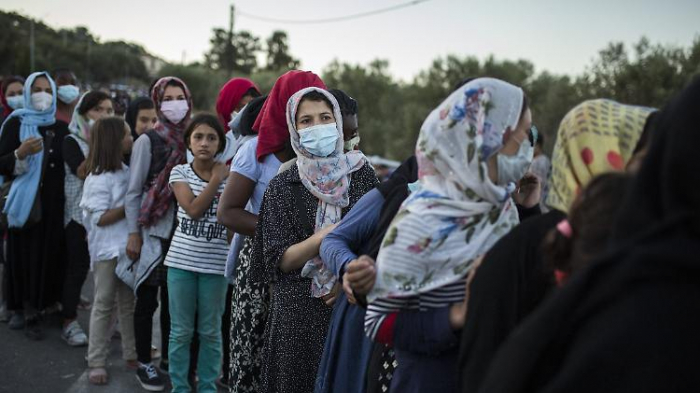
271 124
230 96
6 110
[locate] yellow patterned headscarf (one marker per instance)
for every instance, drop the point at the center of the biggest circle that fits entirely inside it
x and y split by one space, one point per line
595 137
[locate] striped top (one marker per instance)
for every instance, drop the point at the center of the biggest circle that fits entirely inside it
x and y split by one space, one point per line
378 310
198 245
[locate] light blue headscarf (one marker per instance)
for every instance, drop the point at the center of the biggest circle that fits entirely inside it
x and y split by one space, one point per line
26 186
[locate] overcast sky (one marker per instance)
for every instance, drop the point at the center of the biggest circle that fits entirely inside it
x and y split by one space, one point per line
560 36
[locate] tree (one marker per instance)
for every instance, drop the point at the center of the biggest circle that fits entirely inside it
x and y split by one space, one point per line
231 53
278 57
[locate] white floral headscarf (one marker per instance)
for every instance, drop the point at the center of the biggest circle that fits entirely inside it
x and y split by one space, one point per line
328 179
458 213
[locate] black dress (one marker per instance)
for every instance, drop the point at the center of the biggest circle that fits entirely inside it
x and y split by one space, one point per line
297 324
36 255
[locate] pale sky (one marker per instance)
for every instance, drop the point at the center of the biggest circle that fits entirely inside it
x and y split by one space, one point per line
560 36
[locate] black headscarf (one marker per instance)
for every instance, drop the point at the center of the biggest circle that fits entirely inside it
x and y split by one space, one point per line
133 111
348 105
630 321
250 113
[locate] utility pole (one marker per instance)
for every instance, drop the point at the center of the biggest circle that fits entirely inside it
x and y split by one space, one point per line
31 45
230 50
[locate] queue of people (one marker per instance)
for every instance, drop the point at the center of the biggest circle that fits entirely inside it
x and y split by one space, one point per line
280 263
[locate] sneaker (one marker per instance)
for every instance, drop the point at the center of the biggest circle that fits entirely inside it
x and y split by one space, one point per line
149 378
74 335
16 321
32 328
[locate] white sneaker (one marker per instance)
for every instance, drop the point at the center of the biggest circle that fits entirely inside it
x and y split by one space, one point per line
74 335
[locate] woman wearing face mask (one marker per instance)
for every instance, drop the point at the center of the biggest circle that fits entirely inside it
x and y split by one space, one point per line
255 164
91 107
300 207
31 143
462 208
11 96
150 217
595 137
67 93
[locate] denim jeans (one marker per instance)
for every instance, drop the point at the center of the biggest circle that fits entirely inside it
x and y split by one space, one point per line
203 295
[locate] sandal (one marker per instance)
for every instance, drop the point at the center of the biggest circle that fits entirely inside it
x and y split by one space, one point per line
97 376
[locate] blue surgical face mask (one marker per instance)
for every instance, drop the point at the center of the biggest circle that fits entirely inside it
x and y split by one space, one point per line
68 93
319 140
513 168
16 102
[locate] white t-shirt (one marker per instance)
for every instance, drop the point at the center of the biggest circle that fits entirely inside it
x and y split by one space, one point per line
101 193
198 245
246 163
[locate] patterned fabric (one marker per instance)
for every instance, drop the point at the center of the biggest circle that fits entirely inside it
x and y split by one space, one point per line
73 187
79 125
458 214
249 305
595 137
158 198
328 179
25 187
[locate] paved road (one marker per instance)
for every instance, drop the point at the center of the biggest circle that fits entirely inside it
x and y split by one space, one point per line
51 366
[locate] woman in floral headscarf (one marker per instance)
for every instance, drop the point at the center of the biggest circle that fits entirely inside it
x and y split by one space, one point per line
300 207
595 137
150 216
470 151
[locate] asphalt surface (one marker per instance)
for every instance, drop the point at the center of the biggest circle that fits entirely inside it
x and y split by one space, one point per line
51 366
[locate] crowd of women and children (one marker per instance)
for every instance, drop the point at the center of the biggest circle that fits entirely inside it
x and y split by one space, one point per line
280 263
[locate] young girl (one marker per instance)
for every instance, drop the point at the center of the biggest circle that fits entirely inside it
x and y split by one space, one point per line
197 258
92 106
103 215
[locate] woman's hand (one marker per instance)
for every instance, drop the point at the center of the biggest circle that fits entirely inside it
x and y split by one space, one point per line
133 246
458 311
30 146
361 274
220 172
348 291
332 296
529 191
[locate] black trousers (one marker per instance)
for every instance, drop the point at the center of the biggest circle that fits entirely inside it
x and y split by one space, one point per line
226 334
146 304
77 266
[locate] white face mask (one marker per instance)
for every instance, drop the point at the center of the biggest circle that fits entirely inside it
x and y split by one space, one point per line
351 144
513 168
42 101
91 122
175 110
16 102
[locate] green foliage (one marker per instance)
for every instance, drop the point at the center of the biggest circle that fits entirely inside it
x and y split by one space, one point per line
390 112
75 49
278 57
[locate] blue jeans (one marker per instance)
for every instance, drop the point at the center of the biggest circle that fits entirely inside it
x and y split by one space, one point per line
204 295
